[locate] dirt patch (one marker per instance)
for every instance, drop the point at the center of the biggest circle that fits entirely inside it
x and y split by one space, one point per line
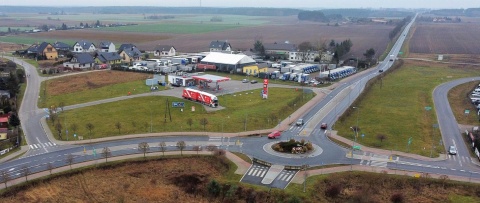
446 38
81 82
9 47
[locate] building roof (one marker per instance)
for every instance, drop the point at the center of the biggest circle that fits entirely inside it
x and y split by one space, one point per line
61 46
262 65
280 46
84 58
4 118
85 44
230 59
210 78
108 56
105 44
42 46
33 48
125 46
163 47
133 52
219 45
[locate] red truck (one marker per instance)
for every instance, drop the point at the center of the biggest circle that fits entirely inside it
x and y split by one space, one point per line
199 96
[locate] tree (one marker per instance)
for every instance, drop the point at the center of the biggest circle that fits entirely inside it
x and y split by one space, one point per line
5 177
50 167
204 122
25 172
64 26
332 43
144 148
106 153
69 160
213 188
90 127
197 148
14 120
163 147
61 105
118 125
304 49
259 48
181 145
381 137
190 122
59 128
369 53
97 23
81 24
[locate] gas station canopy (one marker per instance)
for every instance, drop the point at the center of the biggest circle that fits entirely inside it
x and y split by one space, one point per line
210 78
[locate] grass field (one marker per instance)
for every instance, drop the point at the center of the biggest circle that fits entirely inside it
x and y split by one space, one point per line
174 28
396 108
32 39
5 29
459 101
226 19
139 115
92 86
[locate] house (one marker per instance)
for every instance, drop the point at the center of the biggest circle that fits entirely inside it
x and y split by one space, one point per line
43 51
130 55
106 46
110 58
125 46
300 56
80 60
84 46
164 50
255 69
220 46
279 50
3 133
62 48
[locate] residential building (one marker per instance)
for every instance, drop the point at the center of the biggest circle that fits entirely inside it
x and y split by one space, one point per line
84 46
130 55
80 60
299 56
106 46
220 46
164 50
279 50
4 120
43 51
62 48
125 46
111 58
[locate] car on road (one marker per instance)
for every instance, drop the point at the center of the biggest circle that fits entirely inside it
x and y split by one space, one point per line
253 81
380 71
274 134
244 81
299 122
452 150
323 126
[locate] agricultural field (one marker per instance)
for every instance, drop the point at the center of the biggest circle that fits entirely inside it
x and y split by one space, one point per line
244 111
395 107
191 179
81 88
173 28
448 38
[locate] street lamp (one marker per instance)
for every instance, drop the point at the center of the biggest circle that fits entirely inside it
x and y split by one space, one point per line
356 127
353 145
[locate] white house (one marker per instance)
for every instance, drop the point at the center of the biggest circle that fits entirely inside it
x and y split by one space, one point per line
164 50
298 56
220 46
84 46
106 46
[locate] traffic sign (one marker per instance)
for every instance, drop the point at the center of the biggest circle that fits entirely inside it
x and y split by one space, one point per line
428 108
409 140
467 111
356 147
363 135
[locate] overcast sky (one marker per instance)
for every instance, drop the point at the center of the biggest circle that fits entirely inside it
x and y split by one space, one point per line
257 3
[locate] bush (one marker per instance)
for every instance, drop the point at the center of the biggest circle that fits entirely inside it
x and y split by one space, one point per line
397 198
333 191
213 188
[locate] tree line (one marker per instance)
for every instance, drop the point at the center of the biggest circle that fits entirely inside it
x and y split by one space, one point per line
398 27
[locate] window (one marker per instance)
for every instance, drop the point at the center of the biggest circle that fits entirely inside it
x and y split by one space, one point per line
49 49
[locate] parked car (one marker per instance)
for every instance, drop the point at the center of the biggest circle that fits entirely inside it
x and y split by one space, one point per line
323 126
274 134
299 122
452 150
253 81
244 80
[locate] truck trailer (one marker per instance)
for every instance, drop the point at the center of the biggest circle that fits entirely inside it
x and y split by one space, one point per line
199 96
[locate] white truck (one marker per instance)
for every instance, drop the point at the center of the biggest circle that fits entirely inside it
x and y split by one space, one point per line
138 66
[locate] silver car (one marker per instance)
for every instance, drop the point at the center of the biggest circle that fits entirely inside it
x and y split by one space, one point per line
452 150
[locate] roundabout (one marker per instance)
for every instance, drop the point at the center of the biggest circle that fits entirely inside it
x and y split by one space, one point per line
316 151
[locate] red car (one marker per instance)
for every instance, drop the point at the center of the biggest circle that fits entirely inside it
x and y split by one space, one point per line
323 126
274 134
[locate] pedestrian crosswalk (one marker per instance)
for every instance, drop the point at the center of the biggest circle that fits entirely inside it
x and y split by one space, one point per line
459 158
285 175
379 160
257 171
42 145
215 139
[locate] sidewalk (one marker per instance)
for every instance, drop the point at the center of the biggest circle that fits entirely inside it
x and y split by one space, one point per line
22 150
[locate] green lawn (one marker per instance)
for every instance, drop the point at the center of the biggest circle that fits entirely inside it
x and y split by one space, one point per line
174 28
5 29
106 92
396 109
138 115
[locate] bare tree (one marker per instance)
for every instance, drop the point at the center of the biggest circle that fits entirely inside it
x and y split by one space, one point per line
52 113
144 148
181 146
118 125
106 153
90 127
304 49
197 148
70 159
59 128
5 177
381 137
163 147
25 172
204 122
50 167
190 123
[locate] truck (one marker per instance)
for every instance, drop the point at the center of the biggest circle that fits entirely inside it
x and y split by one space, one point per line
199 96
138 66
